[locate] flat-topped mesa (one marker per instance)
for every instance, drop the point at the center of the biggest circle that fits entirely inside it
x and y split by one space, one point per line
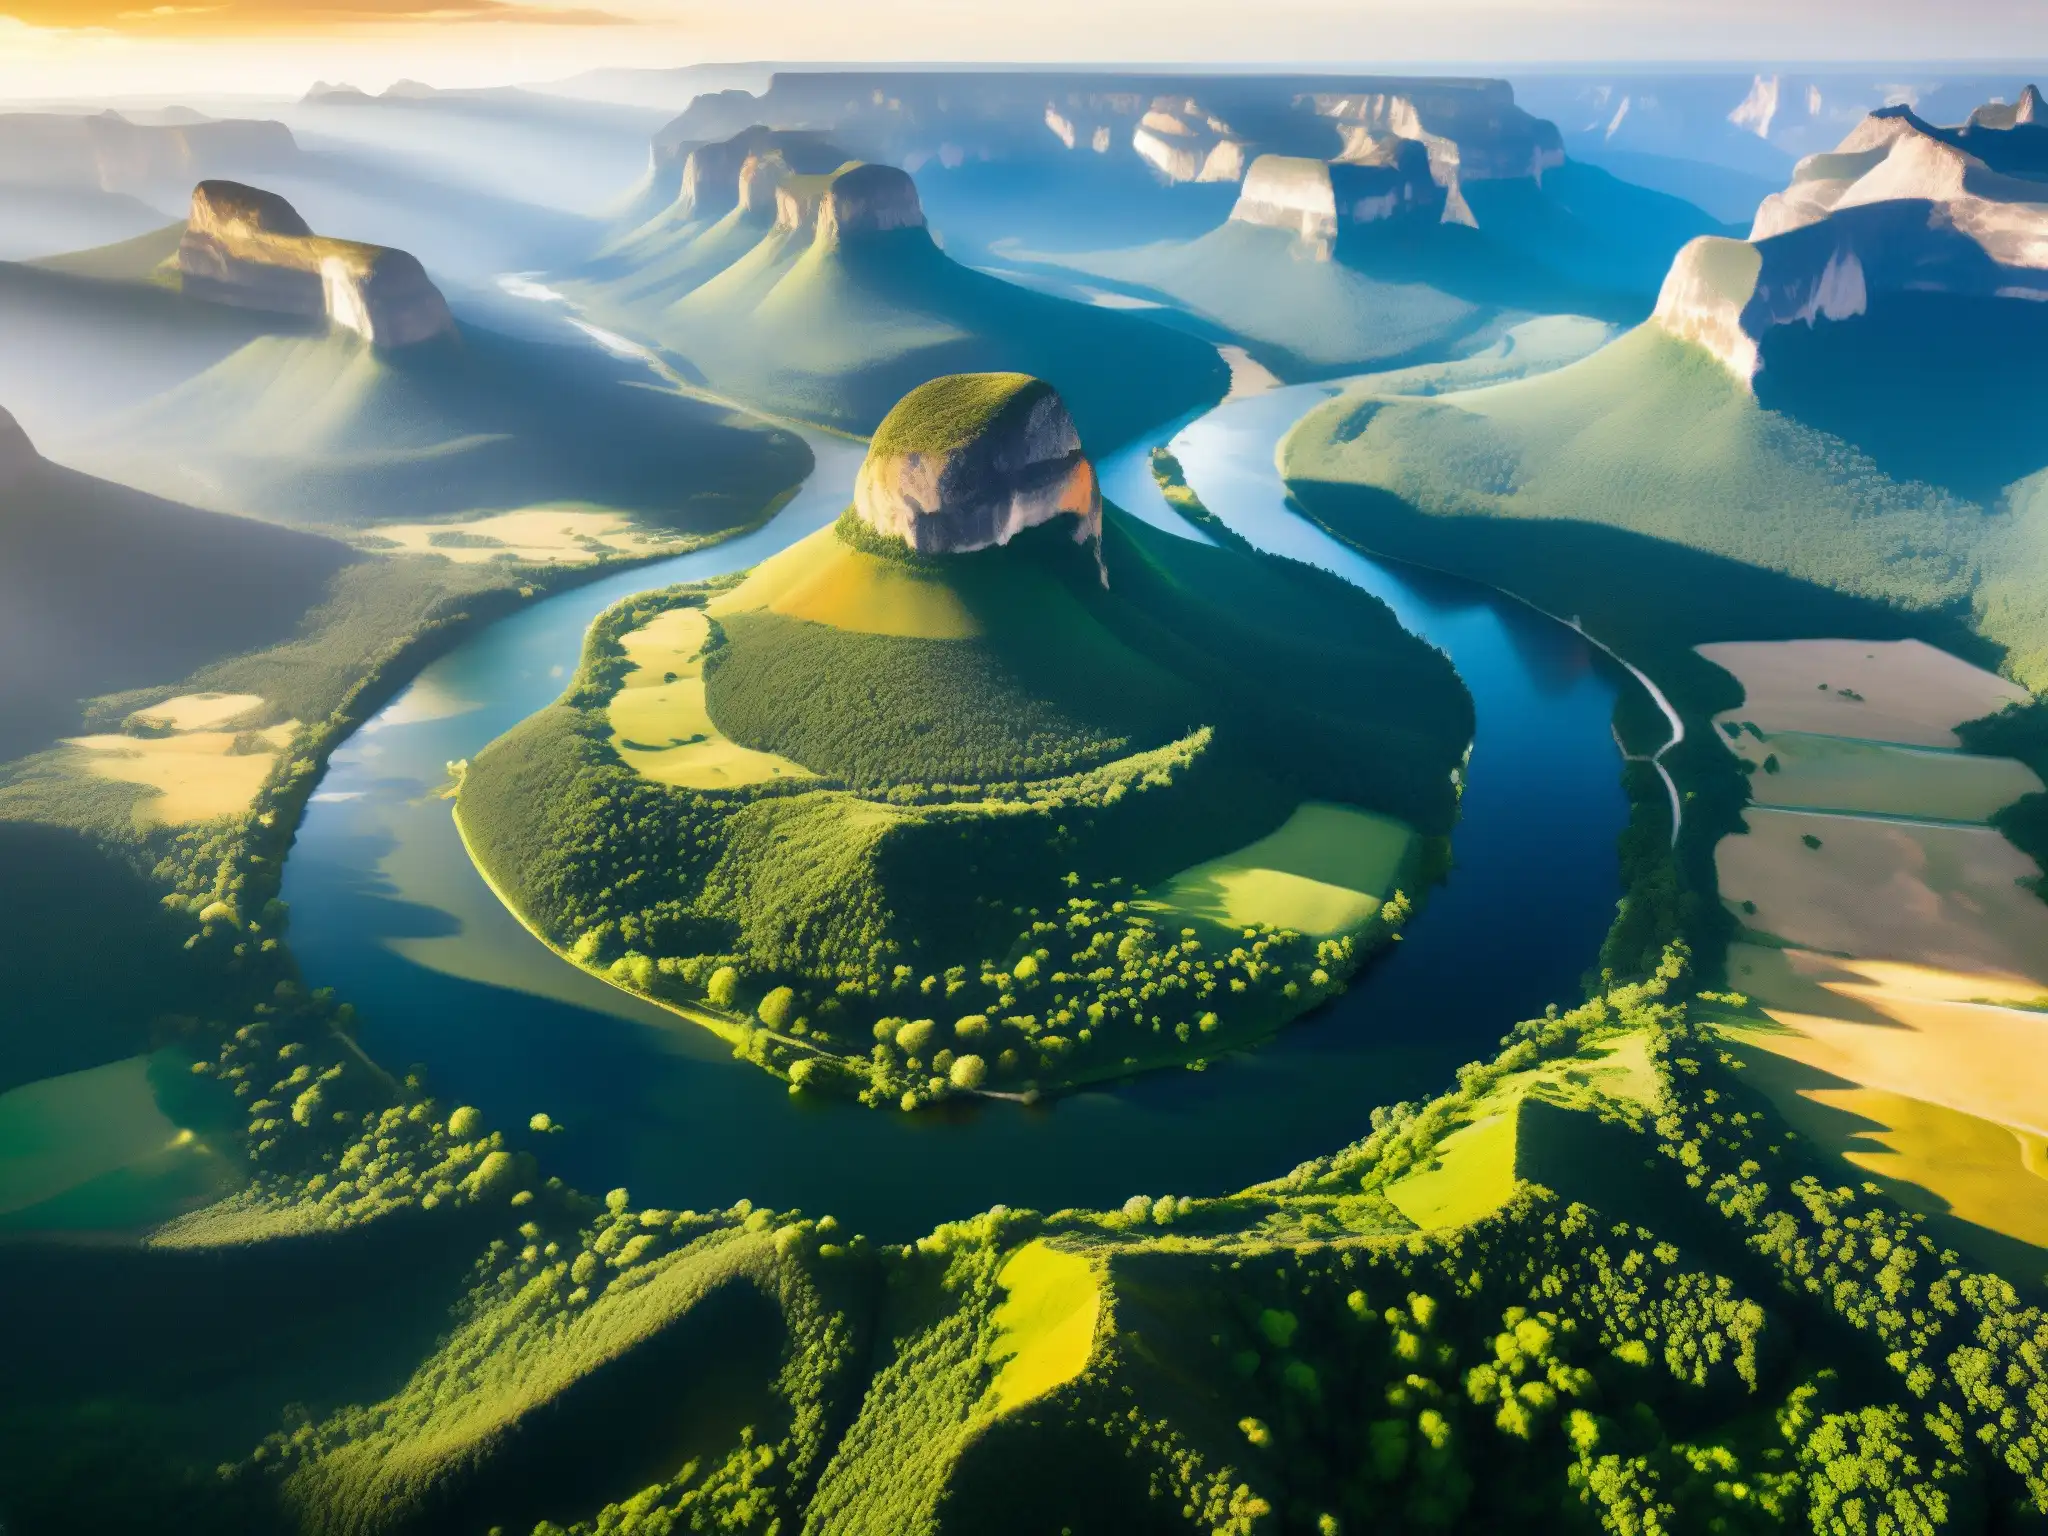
1900 206
247 247
868 200
1318 201
971 460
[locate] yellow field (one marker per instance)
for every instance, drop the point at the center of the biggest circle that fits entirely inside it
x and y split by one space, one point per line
571 534
1945 1101
198 711
93 1150
821 579
660 724
1045 1326
1472 1176
1947 898
1910 692
196 775
1324 872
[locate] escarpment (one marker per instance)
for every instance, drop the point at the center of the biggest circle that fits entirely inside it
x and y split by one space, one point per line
971 460
1317 200
715 178
249 248
1900 206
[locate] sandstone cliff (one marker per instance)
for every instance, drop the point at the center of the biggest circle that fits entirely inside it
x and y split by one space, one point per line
1184 141
247 247
1318 201
868 200
971 460
1899 206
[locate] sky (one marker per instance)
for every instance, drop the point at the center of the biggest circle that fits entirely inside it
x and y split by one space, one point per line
58 48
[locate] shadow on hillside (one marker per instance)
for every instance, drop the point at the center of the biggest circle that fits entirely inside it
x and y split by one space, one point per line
1941 388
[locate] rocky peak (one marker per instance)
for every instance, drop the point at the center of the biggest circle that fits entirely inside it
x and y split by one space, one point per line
971 460
248 247
868 200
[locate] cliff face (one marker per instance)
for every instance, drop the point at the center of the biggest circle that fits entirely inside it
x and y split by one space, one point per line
1184 141
971 460
1317 201
713 175
1205 128
1899 206
1472 128
868 200
247 247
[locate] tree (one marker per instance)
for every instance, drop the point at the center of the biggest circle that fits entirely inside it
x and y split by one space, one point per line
969 1072
776 1007
723 986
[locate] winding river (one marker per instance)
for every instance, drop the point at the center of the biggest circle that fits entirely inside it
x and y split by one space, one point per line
387 908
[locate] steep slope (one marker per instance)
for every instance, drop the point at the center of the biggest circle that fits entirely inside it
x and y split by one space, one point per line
944 796
327 429
324 380
842 303
104 588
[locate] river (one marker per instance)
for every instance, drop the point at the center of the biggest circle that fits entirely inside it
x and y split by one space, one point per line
387 908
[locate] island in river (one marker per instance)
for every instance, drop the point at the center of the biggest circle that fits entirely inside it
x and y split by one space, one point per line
985 788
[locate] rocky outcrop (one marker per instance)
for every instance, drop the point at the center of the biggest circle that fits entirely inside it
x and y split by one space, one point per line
868 200
1318 201
1900 206
1183 141
971 460
714 175
247 247
1472 128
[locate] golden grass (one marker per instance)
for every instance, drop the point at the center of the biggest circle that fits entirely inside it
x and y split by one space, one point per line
93 1149
822 579
198 711
1908 1072
660 724
1828 772
1045 1326
566 533
1911 692
1945 898
1323 873
196 775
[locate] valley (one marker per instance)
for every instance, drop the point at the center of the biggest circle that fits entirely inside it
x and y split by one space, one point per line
1021 800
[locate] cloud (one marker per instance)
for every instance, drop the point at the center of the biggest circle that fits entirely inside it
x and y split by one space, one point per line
249 18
